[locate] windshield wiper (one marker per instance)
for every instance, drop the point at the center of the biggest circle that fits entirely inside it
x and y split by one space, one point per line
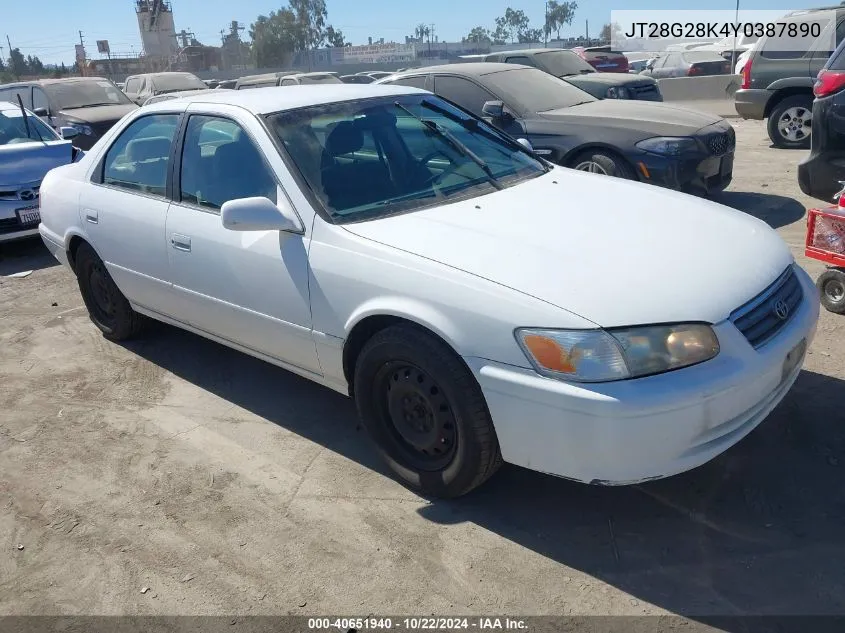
91 105
456 145
26 122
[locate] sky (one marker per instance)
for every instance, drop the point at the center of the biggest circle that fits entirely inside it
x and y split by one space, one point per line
52 35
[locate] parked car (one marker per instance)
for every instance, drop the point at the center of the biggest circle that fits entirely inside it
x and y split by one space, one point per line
356 79
407 254
638 60
227 84
288 79
91 105
820 174
139 88
689 64
29 148
777 81
603 59
265 80
638 140
211 83
177 95
375 74
572 69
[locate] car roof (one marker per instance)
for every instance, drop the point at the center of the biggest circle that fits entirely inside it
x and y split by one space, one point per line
48 82
276 99
471 69
165 74
532 51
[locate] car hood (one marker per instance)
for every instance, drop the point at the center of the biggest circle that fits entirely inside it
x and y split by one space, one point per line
608 79
612 251
99 114
658 119
29 162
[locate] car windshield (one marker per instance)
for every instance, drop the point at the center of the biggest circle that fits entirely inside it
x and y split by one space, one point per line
534 90
371 158
563 63
173 83
319 79
85 93
13 130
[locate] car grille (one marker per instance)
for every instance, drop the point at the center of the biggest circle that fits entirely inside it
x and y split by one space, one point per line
765 315
721 143
30 191
645 92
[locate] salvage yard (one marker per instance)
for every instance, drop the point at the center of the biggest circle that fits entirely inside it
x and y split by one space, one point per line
224 485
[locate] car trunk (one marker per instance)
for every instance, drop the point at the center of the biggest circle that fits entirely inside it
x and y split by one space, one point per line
702 69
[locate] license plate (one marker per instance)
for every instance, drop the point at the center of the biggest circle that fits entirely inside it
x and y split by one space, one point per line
29 215
793 359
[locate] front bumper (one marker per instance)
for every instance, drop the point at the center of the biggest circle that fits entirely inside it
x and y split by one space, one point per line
709 174
751 102
632 431
10 226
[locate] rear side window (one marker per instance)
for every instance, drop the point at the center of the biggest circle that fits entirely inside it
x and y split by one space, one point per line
139 158
11 95
412 82
132 85
464 92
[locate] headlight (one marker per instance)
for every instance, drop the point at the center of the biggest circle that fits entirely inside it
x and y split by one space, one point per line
669 145
603 356
82 128
617 93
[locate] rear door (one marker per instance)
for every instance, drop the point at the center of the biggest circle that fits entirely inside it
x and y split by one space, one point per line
124 211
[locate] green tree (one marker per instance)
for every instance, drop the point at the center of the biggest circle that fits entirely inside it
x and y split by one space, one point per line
558 14
334 37
17 62
274 38
503 32
517 20
310 23
531 36
479 35
422 31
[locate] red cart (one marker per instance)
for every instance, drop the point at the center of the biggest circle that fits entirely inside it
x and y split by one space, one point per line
826 243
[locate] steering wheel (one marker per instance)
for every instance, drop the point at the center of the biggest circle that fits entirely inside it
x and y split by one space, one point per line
433 180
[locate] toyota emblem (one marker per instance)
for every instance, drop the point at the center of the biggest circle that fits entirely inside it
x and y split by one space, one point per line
781 309
27 194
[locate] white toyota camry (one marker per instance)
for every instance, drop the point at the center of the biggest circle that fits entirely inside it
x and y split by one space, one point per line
479 304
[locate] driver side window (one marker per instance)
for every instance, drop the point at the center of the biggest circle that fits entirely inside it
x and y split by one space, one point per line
139 158
470 96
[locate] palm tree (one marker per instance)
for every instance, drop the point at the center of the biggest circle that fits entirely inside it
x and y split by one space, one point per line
422 31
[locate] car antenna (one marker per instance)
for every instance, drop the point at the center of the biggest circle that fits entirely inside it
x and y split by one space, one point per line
26 121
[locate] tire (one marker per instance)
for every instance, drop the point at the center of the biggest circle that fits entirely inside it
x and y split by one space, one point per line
831 285
602 161
108 308
796 110
403 371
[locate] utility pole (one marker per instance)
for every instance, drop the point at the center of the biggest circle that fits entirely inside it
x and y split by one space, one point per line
546 26
588 32
82 63
12 58
430 37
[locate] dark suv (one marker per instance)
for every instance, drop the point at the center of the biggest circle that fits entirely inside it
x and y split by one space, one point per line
777 80
571 68
821 172
90 105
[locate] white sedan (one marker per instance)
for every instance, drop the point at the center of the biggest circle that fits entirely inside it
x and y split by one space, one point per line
479 304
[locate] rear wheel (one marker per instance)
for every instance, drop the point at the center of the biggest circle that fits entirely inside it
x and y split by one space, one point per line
108 308
790 123
425 411
602 162
831 284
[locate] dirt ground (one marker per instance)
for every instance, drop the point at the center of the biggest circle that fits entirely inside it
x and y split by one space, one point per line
228 486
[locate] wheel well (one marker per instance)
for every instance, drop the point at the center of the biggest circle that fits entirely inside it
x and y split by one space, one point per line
782 94
363 331
75 243
569 159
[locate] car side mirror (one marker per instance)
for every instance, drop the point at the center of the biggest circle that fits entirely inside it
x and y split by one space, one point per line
259 214
67 132
494 109
41 112
526 144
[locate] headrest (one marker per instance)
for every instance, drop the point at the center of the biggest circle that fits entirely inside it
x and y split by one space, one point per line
141 149
345 138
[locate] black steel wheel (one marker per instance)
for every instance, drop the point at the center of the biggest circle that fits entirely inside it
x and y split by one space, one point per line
831 285
108 308
425 411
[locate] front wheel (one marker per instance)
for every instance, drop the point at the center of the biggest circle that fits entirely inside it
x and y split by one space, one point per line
108 308
602 162
426 412
831 285
790 123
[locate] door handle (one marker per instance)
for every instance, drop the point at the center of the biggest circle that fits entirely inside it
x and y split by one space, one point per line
180 242
92 216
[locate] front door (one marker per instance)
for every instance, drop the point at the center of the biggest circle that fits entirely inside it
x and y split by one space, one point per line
250 288
125 215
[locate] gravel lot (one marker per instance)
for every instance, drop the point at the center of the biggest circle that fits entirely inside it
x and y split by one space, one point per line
228 486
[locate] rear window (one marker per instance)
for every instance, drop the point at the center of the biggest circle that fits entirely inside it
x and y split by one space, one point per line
787 46
320 79
703 56
172 83
534 90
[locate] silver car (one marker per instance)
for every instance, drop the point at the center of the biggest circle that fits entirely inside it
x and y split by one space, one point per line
28 150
